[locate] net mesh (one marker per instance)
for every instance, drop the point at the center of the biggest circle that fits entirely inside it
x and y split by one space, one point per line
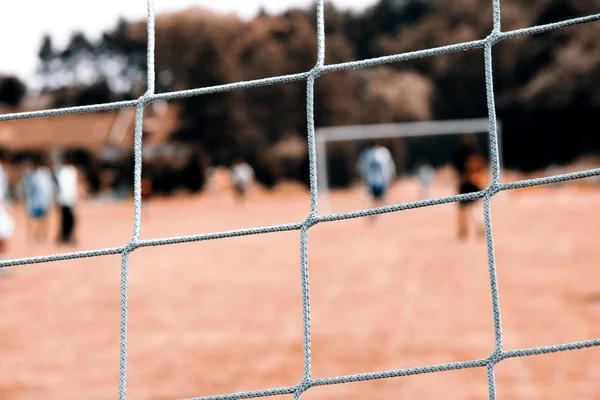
307 381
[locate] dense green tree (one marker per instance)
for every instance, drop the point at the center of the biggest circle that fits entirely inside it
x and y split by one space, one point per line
546 85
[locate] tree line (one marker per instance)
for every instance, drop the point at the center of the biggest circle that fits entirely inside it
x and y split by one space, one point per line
546 85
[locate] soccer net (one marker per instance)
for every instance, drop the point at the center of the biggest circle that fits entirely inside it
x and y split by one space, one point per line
307 381
406 130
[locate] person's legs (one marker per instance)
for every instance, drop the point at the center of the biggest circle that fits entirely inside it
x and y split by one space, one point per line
33 223
44 227
240 191
462 222
62 236
469 187
380 199
464 209
36 223
377 196
466 216
70 225
477 222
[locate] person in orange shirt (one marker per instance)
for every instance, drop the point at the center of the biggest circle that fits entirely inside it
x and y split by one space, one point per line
470 167
146 188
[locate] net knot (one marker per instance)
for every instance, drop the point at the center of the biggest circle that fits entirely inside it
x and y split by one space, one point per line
311 220
493 37
495 357
493 189
315 72
146 99
303 386
131 246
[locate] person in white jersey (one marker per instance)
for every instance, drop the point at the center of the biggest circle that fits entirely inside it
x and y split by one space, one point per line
377 169
38 187
242 176
67 182
7 225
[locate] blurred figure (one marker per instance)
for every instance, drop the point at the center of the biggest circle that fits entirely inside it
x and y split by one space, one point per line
67 182
425 174
146 186
7 225
377 170
469 166
26 192
242 176
38 191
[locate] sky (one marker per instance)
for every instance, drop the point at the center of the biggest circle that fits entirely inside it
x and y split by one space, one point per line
28 20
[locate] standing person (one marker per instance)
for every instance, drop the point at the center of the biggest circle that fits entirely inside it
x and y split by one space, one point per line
242 175
67 182
7 225
377 170
26 193
469 166
38 188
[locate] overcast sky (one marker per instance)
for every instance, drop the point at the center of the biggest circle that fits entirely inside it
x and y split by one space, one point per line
24 22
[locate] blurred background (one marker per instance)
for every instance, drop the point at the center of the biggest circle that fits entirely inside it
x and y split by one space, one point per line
401 292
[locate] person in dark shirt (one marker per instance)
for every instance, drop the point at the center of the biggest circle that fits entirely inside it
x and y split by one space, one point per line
469 166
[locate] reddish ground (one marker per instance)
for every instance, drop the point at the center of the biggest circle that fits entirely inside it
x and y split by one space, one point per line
223 316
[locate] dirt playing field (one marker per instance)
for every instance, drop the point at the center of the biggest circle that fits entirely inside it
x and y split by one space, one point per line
224 316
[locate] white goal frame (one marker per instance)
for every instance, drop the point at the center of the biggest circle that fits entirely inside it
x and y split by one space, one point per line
389 131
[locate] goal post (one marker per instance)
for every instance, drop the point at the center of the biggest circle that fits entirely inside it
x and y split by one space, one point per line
327 135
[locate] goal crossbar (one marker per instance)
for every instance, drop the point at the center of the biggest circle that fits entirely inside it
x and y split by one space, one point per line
402 129
349 133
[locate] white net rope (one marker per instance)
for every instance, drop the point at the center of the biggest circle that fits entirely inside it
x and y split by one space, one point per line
314 218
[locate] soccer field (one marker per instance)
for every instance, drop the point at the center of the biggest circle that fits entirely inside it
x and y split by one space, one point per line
224 316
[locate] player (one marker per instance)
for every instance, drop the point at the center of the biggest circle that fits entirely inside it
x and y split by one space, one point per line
38 187
425 174
67 182
146 187
377 170
25 191
7 225
469 166
242 176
